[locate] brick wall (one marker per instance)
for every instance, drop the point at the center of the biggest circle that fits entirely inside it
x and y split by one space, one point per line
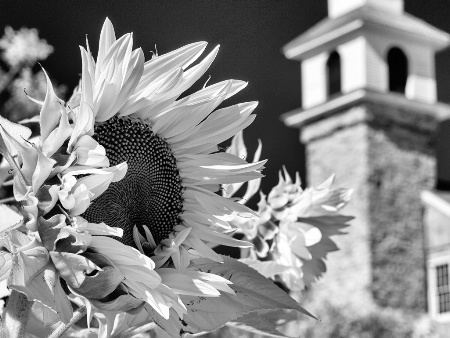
343 150
400 168
386 156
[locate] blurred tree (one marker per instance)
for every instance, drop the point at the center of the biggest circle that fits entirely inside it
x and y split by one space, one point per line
20 51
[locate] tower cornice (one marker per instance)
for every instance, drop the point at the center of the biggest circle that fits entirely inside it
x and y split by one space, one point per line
428 115
361 19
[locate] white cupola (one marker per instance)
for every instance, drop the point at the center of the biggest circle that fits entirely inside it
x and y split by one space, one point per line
340 7
367 44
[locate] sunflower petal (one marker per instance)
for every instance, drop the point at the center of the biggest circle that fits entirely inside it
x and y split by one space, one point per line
50 111
107 38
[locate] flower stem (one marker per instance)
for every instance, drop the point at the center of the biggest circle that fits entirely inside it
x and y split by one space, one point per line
15 317
64 327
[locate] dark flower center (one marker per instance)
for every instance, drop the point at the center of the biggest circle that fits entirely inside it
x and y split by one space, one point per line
150 192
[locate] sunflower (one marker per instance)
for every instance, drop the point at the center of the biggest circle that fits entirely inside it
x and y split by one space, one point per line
291 238
169 145
120 192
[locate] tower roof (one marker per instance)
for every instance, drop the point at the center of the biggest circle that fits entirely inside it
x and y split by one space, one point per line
339 7
365 17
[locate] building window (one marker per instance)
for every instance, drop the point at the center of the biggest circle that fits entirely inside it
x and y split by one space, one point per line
443 291
398 70
334 74
438 284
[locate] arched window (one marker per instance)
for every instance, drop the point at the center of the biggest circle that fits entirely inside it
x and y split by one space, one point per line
398 70
334 73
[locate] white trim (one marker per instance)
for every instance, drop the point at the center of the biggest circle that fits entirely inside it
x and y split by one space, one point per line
300 117
293 52
434 201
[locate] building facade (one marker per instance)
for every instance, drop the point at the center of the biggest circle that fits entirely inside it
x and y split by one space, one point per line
370 114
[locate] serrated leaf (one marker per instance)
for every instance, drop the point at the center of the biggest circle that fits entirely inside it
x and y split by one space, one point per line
9 240
44 314
272 323
268 269
47 197
73 268
49 230
122 301
7 155
26 265
15 129
44 286
329 226
256 325
104 281
131 321
173 326
10 217
253 292
5 264
57 237
33 276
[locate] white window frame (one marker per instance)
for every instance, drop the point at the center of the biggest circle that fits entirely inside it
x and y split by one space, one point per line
441 258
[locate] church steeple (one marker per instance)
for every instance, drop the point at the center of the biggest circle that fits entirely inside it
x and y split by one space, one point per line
370 115
379 46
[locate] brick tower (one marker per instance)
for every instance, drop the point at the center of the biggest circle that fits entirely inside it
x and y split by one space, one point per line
370 114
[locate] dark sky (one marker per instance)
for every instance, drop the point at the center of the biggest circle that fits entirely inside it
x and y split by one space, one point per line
250 32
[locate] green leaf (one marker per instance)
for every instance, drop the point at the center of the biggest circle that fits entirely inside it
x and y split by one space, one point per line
15 129
272 323
9 241
12 239
61 159
135 322
104 281
47 196
268 269
50 229
44 314
6 154
40 320
5 264
257 325
56 237
173 326
40 284
119 300
26 265
73 268
253 292
330 225
91 279
10 217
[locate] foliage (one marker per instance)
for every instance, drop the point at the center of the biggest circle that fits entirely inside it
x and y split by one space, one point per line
350 321
20 51
293 235
338 321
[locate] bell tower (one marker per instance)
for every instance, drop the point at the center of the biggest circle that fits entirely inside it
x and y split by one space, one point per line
376 46
370 114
